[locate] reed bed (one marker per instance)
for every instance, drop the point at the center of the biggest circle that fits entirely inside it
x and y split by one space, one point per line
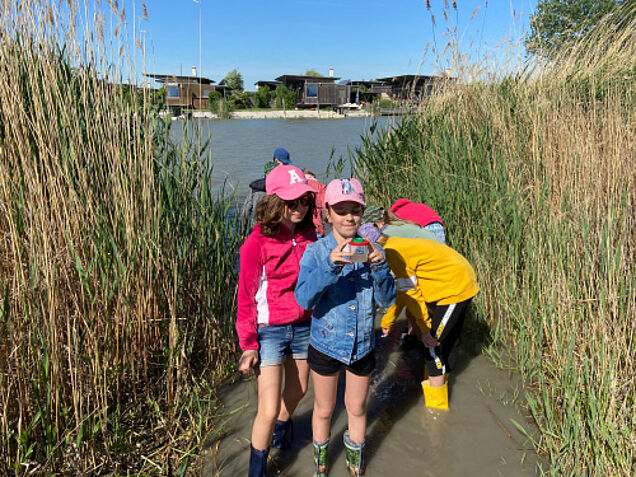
117 269
534 176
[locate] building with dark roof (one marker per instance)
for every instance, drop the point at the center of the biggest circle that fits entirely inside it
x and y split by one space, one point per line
271 85
311 91
188 92
413 88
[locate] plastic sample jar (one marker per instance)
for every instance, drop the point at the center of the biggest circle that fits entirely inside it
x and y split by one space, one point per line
359 249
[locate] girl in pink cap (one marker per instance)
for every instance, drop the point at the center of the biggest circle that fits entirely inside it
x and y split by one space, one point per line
342 287
273 329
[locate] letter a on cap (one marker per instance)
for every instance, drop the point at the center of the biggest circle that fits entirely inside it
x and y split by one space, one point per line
294 177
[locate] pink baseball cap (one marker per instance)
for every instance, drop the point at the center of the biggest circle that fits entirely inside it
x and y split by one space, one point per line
343 190
287 182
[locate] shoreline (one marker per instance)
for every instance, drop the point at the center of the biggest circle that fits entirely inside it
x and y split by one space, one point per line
279 114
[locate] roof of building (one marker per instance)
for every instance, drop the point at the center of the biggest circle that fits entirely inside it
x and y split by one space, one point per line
407 78
318 79
179 78
367 83
267 83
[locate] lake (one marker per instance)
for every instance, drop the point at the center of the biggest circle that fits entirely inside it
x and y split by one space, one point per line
241 147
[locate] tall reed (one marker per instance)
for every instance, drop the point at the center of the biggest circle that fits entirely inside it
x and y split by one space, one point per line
534 176
117 269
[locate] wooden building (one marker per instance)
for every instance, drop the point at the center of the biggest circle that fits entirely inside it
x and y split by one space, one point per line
368 91
316 91
413 88
188 92
271 85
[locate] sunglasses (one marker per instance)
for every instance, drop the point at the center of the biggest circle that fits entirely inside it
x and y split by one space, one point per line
305 200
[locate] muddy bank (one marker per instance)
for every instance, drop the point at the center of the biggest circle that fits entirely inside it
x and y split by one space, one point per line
477 437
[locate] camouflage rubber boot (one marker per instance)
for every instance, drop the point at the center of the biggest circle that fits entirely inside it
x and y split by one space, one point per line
353 454
320 458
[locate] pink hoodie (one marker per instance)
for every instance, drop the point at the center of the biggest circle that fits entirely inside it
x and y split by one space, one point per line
267 279
416 212
320 204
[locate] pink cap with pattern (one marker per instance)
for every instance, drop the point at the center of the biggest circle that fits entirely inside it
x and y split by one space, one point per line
343 190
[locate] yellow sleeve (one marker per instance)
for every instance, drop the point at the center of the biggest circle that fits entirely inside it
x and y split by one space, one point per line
417 306
393 312
412 298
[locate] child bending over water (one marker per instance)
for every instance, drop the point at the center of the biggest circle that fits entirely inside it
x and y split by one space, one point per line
436 284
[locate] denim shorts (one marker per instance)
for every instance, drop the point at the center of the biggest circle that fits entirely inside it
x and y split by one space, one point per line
279 341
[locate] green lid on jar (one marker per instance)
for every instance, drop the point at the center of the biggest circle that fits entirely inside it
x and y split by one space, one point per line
358 240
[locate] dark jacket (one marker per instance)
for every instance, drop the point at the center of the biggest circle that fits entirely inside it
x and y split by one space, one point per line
255 195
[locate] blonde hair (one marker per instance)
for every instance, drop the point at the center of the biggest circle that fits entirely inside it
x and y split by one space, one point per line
391 219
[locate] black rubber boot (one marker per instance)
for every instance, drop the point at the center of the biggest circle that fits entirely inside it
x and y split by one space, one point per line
258 462
283 434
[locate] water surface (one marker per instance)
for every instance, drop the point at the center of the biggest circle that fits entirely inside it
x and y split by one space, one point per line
241 147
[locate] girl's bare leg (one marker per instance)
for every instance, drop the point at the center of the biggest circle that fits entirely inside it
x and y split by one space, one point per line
296 379
269 379
325 390
356 404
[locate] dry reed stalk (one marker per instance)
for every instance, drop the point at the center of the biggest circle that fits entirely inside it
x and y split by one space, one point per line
96 210
534 176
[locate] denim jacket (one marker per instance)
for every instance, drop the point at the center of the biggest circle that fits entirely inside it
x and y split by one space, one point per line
342 299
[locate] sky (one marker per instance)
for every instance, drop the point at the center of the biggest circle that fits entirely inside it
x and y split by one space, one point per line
359 39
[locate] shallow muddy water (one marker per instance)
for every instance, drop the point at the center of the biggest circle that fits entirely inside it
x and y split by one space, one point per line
477 437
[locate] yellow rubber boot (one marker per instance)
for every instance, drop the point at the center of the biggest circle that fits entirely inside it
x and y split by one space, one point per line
436 398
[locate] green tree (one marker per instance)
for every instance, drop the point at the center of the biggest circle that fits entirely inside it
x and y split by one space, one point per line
290 100
281 92
240 100
313 73
213 100
158 97
222 109
234 80
264 97
556 23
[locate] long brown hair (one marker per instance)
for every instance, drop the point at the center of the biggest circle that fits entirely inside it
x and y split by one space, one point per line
269 215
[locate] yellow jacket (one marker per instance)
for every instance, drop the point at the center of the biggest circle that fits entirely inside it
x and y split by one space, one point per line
426 272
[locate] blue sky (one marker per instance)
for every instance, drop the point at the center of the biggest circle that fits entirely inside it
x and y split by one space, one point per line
359 39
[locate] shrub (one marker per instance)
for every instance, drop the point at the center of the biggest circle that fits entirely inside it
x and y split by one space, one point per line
264 97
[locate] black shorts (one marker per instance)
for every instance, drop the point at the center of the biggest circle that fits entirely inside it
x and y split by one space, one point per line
440 360
327 366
